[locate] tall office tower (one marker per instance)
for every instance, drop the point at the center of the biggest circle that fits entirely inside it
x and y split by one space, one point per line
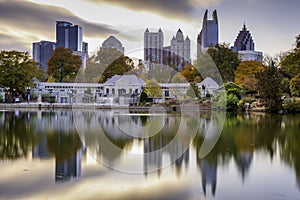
244 45
244 40
153 48
181 50
209 35
112 43
70 36
41 52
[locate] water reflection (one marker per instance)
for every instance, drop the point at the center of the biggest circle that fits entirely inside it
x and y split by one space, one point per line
57 135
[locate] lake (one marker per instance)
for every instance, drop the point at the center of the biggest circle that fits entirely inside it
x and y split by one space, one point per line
114 154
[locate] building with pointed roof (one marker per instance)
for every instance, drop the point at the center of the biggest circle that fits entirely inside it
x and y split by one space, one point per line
245 47
180 50
112 43
209 35
153 47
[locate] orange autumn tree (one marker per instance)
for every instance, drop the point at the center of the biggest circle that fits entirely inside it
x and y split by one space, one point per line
245 74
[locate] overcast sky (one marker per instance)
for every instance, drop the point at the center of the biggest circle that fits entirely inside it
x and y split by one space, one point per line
272 23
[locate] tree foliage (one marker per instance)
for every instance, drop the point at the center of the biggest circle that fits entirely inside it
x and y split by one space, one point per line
18 70
190 73
245 74
268 85
152 88
63 65
119 66
193 91
291 62
295 85
225 59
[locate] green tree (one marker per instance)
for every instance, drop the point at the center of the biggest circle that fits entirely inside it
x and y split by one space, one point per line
119 66
245 74
152 88
268 86
225 59
63 65
17 70
295 85
193 91
291 62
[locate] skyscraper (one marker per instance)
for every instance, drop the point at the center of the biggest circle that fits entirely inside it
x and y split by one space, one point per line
209 35
41 52
153 47
244 41
244 45
70 36
113 43
181 48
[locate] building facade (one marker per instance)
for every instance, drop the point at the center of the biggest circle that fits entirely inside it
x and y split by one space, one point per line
153 47
245 46
70 36
118 90
181 50
112 43
41 52
209 35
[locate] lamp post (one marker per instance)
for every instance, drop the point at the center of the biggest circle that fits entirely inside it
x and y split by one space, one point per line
6 95
14 94
28 94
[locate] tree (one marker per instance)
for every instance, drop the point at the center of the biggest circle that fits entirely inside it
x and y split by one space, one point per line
18 70
119 66
98 63
268 85
291 62
190 73
225 59
63 65
245 74
295 85
193 91
152 88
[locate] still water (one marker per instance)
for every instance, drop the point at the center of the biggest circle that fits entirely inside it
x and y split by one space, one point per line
112 154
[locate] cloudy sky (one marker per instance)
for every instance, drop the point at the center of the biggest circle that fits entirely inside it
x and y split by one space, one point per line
272 23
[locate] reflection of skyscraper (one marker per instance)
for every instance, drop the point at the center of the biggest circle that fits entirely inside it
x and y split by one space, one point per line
243 161
64 170
208 175
153 154
41 149
209 35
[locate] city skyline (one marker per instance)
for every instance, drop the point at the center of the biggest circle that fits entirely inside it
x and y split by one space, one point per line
25 22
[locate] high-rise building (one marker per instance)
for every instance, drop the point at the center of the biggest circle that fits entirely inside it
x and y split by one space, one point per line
70 36
41 52
153 47
244 45
209 35
181 50
112 43
244 41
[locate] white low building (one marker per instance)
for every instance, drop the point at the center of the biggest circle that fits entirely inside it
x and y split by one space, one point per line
120 89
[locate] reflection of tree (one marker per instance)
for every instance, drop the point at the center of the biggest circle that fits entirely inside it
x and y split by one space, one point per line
15 136
290 144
